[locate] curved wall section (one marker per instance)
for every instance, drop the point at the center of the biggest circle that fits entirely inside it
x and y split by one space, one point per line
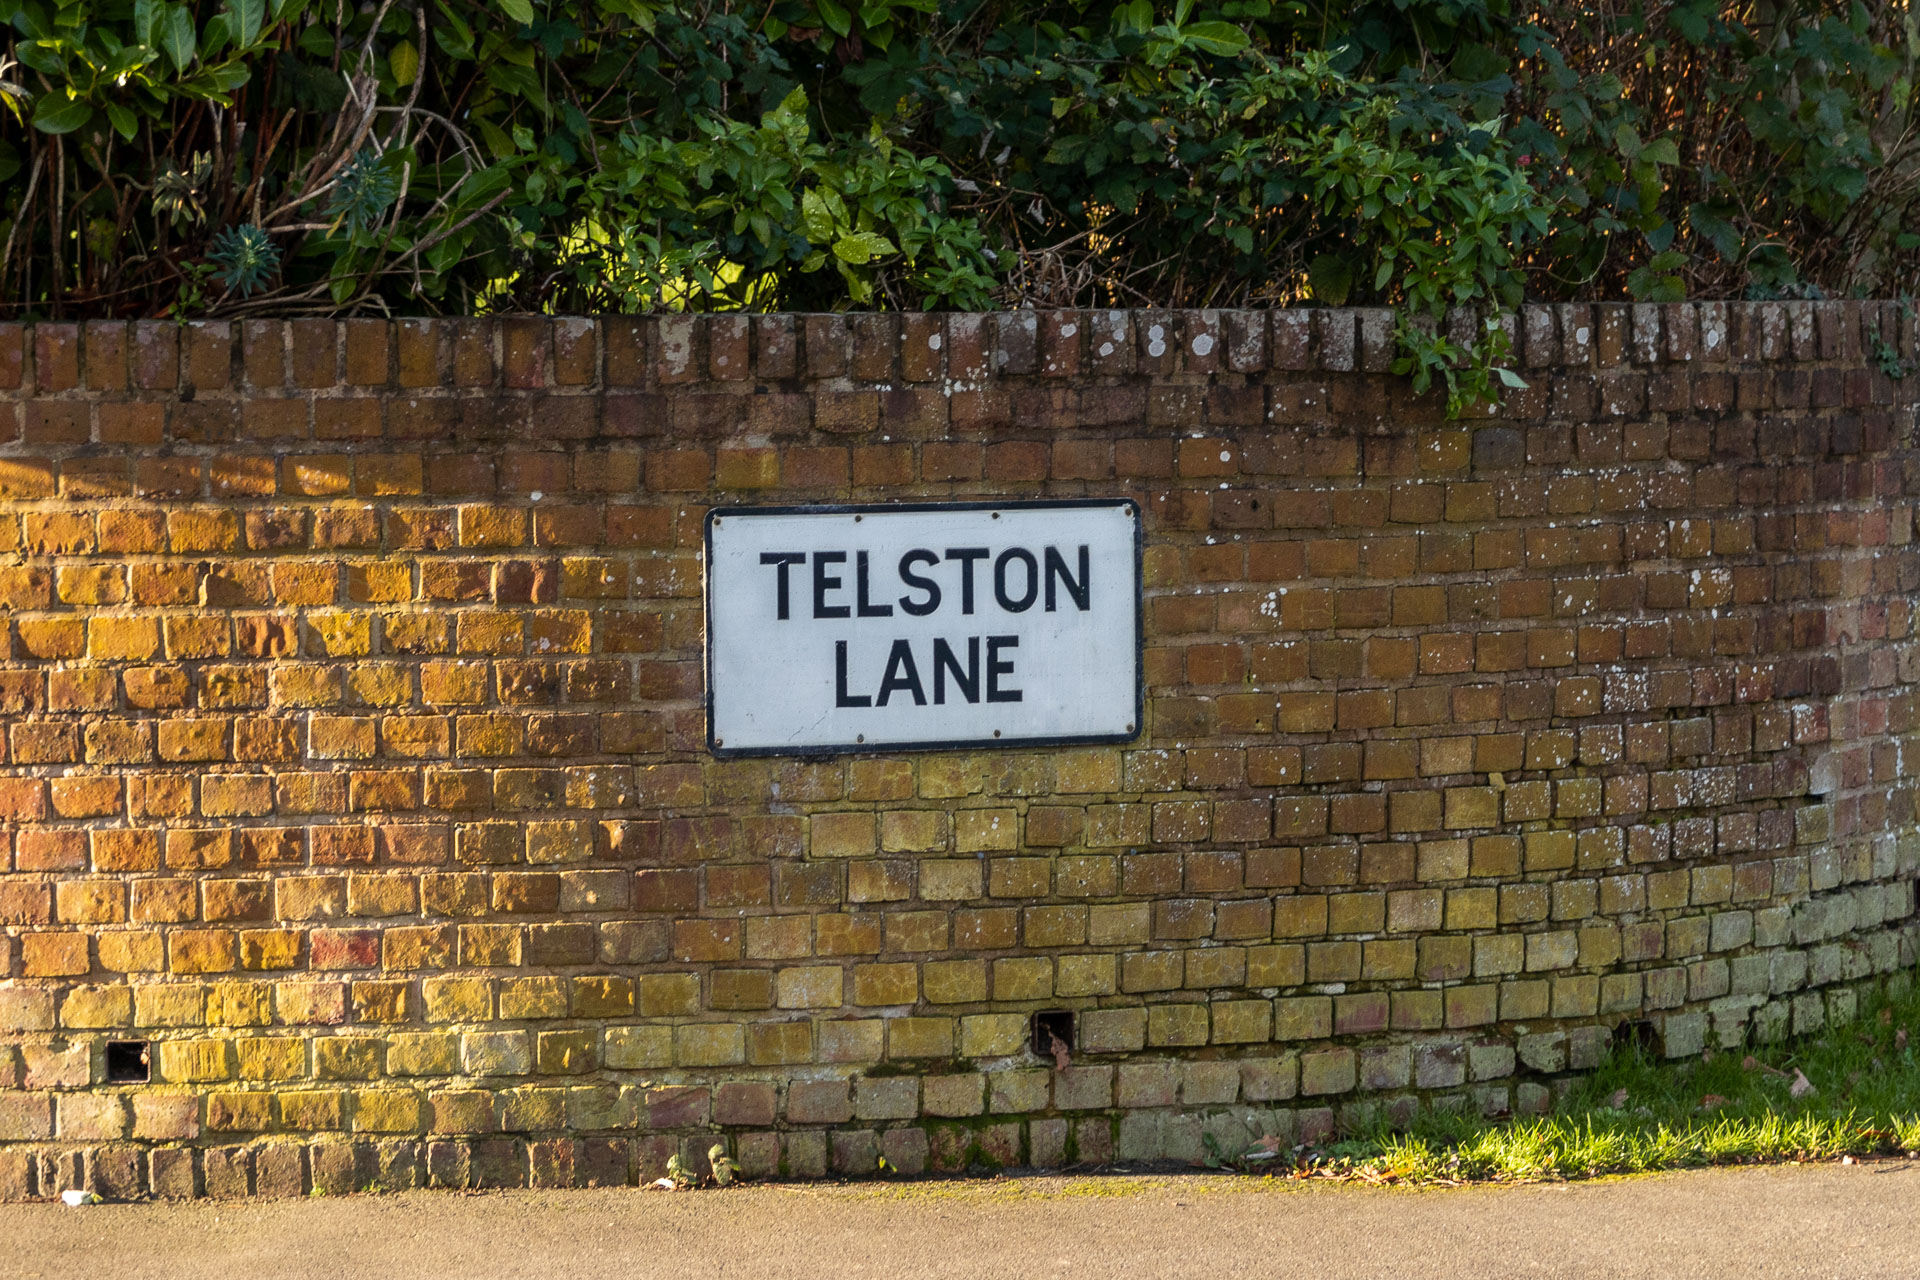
357 786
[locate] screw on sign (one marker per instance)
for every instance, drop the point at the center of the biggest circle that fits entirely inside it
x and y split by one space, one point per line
922 626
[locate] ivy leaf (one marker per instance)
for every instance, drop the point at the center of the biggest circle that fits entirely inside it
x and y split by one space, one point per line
862 247
521 11
57 113
404 61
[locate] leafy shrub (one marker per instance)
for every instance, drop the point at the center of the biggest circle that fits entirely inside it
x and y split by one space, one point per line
280 156
286 155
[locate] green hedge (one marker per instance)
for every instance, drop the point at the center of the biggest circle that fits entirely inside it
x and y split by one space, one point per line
228 157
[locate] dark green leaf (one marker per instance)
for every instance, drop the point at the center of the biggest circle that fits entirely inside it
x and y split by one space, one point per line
177 35
124 121
57 113
244 18
1331 278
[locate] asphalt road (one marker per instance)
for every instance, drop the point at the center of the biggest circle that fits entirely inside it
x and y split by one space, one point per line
1825 1220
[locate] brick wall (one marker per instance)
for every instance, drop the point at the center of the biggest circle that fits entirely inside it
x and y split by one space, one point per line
354 745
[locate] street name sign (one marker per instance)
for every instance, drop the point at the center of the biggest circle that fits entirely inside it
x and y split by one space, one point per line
920 626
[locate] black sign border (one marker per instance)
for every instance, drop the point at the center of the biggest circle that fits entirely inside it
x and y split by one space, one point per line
942 744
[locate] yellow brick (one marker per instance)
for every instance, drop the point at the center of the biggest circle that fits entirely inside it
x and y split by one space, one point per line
377 684
173 1004
90 902
313 1110
91 1008
347 1057
267 949
386 1111
951 879
341 634
54 955
740 989
550 842
387 582
458 999
981 830
809 987
920 1037
870 780
192 1061
913 831
1472 807
1176 1024
955 981
1550 850
849 1039
240 1112
1472 909
638 1048
423 1053
1084 975
1023 978
122 639
662 995
779 1043
1276 966
380 895
307 685
992 1035
709 1044
236 796
1216 967
841 835
1054 926
51 638
239 1004
380 1001
1087 772
310 897
93 584
490 633
203 530
341 737
1241 1021
886 984
531 998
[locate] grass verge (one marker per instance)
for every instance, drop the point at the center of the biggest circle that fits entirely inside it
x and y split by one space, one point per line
1852 1089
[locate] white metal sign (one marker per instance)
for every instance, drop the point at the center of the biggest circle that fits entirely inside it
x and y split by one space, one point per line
864 628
